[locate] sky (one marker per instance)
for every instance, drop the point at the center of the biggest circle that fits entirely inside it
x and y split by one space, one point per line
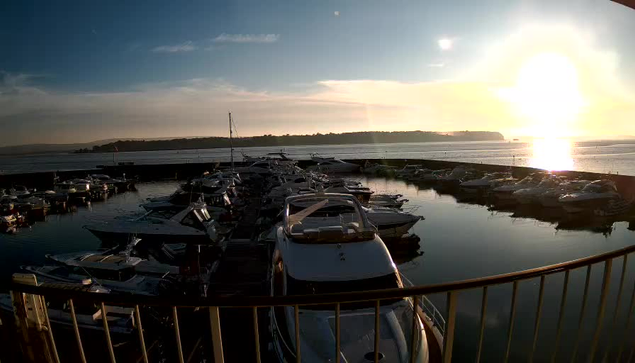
78 71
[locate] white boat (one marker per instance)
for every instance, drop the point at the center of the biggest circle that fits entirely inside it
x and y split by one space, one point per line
549 199
594 196
455 177
391 223
378 169
97 259
114 277
505 192
387 200
326 245
531 195
120 319
486 182
320 159
193 224
335 166
407 171
362 193
19 191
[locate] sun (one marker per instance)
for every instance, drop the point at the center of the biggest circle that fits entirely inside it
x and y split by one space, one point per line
445 43
547 94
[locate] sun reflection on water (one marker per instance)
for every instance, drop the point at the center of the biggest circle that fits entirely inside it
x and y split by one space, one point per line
552 154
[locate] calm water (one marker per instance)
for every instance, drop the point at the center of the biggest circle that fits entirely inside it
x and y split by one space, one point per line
458 241
604 157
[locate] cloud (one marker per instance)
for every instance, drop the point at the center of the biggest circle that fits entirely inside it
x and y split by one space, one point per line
246 38
436 65
187 46
336 13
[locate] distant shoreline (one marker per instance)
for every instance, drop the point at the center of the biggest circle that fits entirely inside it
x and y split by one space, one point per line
294 140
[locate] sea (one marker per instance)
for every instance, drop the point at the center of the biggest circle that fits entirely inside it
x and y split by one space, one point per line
459 239
616 157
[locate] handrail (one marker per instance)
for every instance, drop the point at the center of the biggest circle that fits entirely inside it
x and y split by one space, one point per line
330 298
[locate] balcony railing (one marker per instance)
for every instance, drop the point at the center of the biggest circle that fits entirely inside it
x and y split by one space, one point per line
618 350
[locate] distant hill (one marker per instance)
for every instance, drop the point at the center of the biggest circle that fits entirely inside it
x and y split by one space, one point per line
371 137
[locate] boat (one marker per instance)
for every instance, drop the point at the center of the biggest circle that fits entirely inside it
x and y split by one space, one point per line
487 182
454 177
326 244
531 195
505 192
19 191
378 169
387 200
92 259
335 166
549 199
362 193
391 223
320 159
594 196
8 223
193 224
407 170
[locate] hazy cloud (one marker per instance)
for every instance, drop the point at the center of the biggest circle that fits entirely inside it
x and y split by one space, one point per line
187 46
247 38
436 65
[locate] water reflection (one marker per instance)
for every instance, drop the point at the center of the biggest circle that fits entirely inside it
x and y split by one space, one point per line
552 154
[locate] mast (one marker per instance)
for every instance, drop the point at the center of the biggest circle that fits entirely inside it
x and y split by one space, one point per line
231 145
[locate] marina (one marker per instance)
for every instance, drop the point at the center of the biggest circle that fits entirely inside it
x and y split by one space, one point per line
407 204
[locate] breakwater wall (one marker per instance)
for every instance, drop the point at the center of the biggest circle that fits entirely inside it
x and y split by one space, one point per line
150 172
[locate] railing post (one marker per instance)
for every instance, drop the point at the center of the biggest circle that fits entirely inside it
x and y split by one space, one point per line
629 313
377 327
582 311
617 307
448 339
217 341
541 295
512 315
104 321
296 317
142 341
177 334
256 333
50 330
563 302
337 333
600 317
415 327
80 347
482 328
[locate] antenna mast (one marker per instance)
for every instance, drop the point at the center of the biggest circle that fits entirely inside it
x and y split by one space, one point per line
231 145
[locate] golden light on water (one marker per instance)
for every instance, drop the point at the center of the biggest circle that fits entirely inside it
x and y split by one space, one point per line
552 154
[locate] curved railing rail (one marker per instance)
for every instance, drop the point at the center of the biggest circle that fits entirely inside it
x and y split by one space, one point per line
335 299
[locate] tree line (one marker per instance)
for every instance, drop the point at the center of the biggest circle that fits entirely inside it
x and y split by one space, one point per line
368 137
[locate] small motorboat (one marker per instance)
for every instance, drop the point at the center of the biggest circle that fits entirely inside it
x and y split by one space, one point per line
486 182
391 223
594 196
387 200
531 195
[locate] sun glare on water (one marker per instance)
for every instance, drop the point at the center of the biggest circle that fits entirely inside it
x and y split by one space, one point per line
552 154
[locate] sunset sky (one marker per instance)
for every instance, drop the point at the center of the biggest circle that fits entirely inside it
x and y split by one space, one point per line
77 71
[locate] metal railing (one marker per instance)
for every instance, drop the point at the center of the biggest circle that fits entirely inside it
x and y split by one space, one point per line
616 351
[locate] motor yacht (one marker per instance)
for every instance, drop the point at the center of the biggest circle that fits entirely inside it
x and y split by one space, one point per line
335 166
193 224
505 192
531 195
549 199
487 182
391 223
387 200
326 244
596 195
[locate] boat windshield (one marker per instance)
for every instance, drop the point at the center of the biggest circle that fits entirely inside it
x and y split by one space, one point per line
304 287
